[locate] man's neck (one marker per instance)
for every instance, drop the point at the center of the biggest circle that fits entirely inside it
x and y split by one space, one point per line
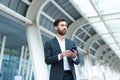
61 37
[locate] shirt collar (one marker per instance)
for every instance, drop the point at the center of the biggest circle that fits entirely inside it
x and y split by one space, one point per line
60 39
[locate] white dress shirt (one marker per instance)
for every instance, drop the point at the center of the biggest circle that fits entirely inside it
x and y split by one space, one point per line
65 61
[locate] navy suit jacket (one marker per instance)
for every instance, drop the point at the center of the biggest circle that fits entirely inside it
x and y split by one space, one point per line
52 49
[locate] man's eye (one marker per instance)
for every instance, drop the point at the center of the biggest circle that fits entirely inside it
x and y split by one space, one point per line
63 25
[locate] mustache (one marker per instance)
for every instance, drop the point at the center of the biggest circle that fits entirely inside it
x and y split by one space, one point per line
65 29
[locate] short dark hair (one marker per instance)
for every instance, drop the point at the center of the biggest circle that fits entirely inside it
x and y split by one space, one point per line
57 21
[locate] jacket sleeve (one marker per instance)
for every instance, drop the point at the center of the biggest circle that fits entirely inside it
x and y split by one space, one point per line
77 61
49 57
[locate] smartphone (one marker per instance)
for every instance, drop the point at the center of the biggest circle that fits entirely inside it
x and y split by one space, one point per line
74 48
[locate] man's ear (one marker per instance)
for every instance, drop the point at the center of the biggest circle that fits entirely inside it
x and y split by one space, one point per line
55 28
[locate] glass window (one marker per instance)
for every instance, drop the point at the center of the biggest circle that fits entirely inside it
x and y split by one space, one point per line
104 18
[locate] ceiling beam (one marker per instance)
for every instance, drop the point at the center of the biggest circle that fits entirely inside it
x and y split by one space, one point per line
14 14
61 9
106 17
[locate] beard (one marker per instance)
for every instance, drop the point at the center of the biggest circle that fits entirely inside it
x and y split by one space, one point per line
62 32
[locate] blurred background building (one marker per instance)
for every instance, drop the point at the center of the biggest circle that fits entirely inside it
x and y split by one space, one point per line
94 25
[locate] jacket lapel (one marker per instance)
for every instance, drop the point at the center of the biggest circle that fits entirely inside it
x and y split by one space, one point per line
56 43
67 48
66 44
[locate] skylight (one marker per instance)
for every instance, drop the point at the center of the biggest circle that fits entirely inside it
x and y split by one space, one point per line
105 18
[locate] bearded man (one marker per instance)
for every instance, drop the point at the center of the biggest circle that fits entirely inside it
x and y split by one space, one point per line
60 55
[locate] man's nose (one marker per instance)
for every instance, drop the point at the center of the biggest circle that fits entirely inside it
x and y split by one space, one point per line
65 26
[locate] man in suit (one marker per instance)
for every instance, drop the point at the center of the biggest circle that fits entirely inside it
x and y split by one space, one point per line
59 55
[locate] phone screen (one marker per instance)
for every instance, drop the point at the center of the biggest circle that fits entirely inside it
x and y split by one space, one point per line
73 48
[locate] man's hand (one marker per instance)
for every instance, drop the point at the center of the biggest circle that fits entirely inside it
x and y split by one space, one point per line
68 53
73 54
65 53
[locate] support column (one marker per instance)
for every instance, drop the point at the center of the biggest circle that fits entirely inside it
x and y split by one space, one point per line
19 76
1 55
114 75
24 61
37 52
2 51
98 66
77 70
105 74
21 60
88 67
28 70
31 71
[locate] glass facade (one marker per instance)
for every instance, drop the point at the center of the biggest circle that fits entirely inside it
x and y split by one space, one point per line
97 38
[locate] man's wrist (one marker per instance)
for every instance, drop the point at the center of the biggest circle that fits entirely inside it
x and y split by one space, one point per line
75 58
61 55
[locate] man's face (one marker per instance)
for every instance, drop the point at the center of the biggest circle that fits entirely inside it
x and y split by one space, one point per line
61 28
